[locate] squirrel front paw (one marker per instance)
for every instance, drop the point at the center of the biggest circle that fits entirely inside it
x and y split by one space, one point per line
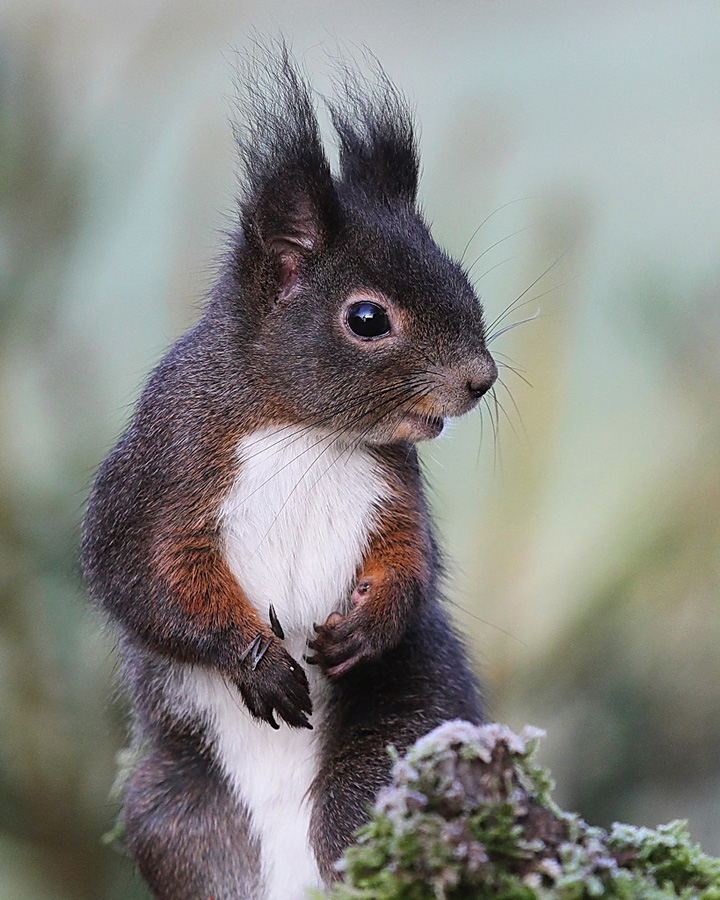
270 681
338 645
343 642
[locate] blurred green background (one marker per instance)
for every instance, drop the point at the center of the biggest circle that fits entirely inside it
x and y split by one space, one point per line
584 539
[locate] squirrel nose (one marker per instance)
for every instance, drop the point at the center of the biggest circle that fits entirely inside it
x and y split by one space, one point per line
482 378
478 388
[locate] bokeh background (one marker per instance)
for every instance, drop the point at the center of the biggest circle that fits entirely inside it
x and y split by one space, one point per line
581 516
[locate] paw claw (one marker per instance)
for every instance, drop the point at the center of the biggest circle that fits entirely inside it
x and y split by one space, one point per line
277 688
261 651
275 625
251 648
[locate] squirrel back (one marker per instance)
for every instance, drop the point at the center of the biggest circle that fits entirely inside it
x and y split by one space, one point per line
260 534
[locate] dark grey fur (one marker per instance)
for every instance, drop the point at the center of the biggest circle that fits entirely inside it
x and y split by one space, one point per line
267 349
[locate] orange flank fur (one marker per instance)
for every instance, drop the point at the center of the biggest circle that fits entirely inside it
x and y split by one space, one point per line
198 579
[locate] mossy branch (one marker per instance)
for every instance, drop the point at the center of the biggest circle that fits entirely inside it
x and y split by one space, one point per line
469 816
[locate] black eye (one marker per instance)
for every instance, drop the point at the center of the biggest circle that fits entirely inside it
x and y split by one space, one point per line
368 320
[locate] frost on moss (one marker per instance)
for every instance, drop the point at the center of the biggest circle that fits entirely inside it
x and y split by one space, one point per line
468 816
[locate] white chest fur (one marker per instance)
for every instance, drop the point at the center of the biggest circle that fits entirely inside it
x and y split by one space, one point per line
296 525
297 522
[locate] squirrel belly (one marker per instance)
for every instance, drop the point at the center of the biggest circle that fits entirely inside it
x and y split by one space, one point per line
295 527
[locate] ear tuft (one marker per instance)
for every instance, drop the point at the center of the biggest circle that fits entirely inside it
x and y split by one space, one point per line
289 206
378 151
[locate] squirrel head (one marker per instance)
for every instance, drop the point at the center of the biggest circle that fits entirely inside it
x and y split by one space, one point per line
347 314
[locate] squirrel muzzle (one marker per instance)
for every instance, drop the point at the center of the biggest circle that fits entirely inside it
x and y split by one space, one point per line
464 385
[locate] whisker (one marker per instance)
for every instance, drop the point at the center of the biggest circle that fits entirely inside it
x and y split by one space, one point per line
297 433
512 369
488 623
504 412
538 297
330 436
352 447
419 396
497 243
400 402
494 429
496 266
532 284
487 219
510 327
517 410
513 361
482 433
498 456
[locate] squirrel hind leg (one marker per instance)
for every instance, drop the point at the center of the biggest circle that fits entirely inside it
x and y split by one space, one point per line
426 680
186 832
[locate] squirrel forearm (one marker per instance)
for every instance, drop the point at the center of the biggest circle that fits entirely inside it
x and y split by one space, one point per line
397 568
169 586
189 606
191 568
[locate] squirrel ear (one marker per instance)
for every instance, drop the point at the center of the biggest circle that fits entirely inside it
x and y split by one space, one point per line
378 151
292 218
290 208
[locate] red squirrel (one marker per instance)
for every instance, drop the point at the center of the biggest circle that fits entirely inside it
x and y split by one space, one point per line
260 537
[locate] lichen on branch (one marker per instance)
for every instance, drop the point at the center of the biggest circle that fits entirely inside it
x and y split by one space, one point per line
469 816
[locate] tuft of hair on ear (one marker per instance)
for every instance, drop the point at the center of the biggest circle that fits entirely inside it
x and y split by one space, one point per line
289 207
374 124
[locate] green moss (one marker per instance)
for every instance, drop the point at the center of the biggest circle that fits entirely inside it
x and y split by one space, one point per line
127 760
468 816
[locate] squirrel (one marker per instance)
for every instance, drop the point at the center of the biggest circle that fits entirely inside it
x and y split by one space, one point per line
260 536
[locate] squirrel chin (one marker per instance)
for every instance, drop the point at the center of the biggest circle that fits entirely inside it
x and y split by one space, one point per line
411 429
419 428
